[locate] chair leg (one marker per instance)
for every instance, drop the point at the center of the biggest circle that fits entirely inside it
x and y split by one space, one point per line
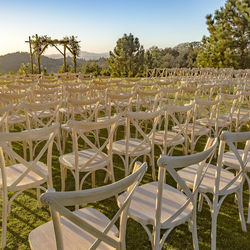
38 193
93 179
241 212
4 219
63 177
153 164
200 202
194 232
214 215
248 214
126 165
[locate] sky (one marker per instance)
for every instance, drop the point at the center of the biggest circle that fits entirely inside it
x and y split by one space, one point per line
98 24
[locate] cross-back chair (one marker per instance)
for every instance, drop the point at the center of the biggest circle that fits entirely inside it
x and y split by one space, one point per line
86 228
17 173
220 182
91 154
163 207
230 161
140 126
176 120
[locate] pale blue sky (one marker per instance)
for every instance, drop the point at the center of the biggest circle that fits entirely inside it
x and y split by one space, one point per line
99 23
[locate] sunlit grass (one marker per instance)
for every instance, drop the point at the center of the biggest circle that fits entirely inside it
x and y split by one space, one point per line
26 214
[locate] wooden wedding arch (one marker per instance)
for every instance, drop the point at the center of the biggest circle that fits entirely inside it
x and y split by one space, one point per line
38 44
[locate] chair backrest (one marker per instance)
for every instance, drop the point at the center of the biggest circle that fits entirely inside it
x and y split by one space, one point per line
9 148
59 200
84 109
177 118
170 163
82 130
4 112
169 96
208 109
140 121
120 102
229 138
39 115
46 94
147 100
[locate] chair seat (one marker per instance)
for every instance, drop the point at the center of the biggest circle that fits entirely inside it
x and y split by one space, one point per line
135 147
45 113
68 160
221 122
64 110
142 206
229 160
121 121
243 116
198 129
207 185
43 237
14 119
65 127
32 179
172 138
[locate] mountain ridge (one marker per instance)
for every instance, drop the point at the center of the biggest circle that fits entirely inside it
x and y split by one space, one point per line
85 55
11 62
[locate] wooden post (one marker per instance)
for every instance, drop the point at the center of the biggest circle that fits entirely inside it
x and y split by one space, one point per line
64 55
39 63
74 60
31 57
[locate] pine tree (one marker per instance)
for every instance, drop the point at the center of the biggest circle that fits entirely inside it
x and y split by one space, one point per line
127 58
228 43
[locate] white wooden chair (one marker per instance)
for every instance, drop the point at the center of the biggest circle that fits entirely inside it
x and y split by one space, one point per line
44 114
230 104
207 115
117 104
82 110
175 134
86 228
4 112
147 100
15 116
21 174
204 118
137 143
241 116
92 157
45 94
164 207
220 182
230 161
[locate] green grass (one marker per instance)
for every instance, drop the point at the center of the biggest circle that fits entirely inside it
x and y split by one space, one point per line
26 215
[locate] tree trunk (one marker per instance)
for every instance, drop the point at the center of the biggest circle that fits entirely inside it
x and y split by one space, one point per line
64 55
74 61
39 64
31 57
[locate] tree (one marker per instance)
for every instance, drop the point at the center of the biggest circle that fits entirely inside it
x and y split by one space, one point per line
25 69
92 68
182 55
127 58
228 43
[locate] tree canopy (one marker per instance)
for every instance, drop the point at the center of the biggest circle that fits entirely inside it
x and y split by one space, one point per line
127 59
228 42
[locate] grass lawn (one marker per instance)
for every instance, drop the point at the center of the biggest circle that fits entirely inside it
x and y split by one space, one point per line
26 215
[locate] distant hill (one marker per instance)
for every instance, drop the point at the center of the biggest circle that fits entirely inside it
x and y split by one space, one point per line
84 55
13 61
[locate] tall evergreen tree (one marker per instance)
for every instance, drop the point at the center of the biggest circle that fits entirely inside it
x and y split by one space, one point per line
228 43
127 58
